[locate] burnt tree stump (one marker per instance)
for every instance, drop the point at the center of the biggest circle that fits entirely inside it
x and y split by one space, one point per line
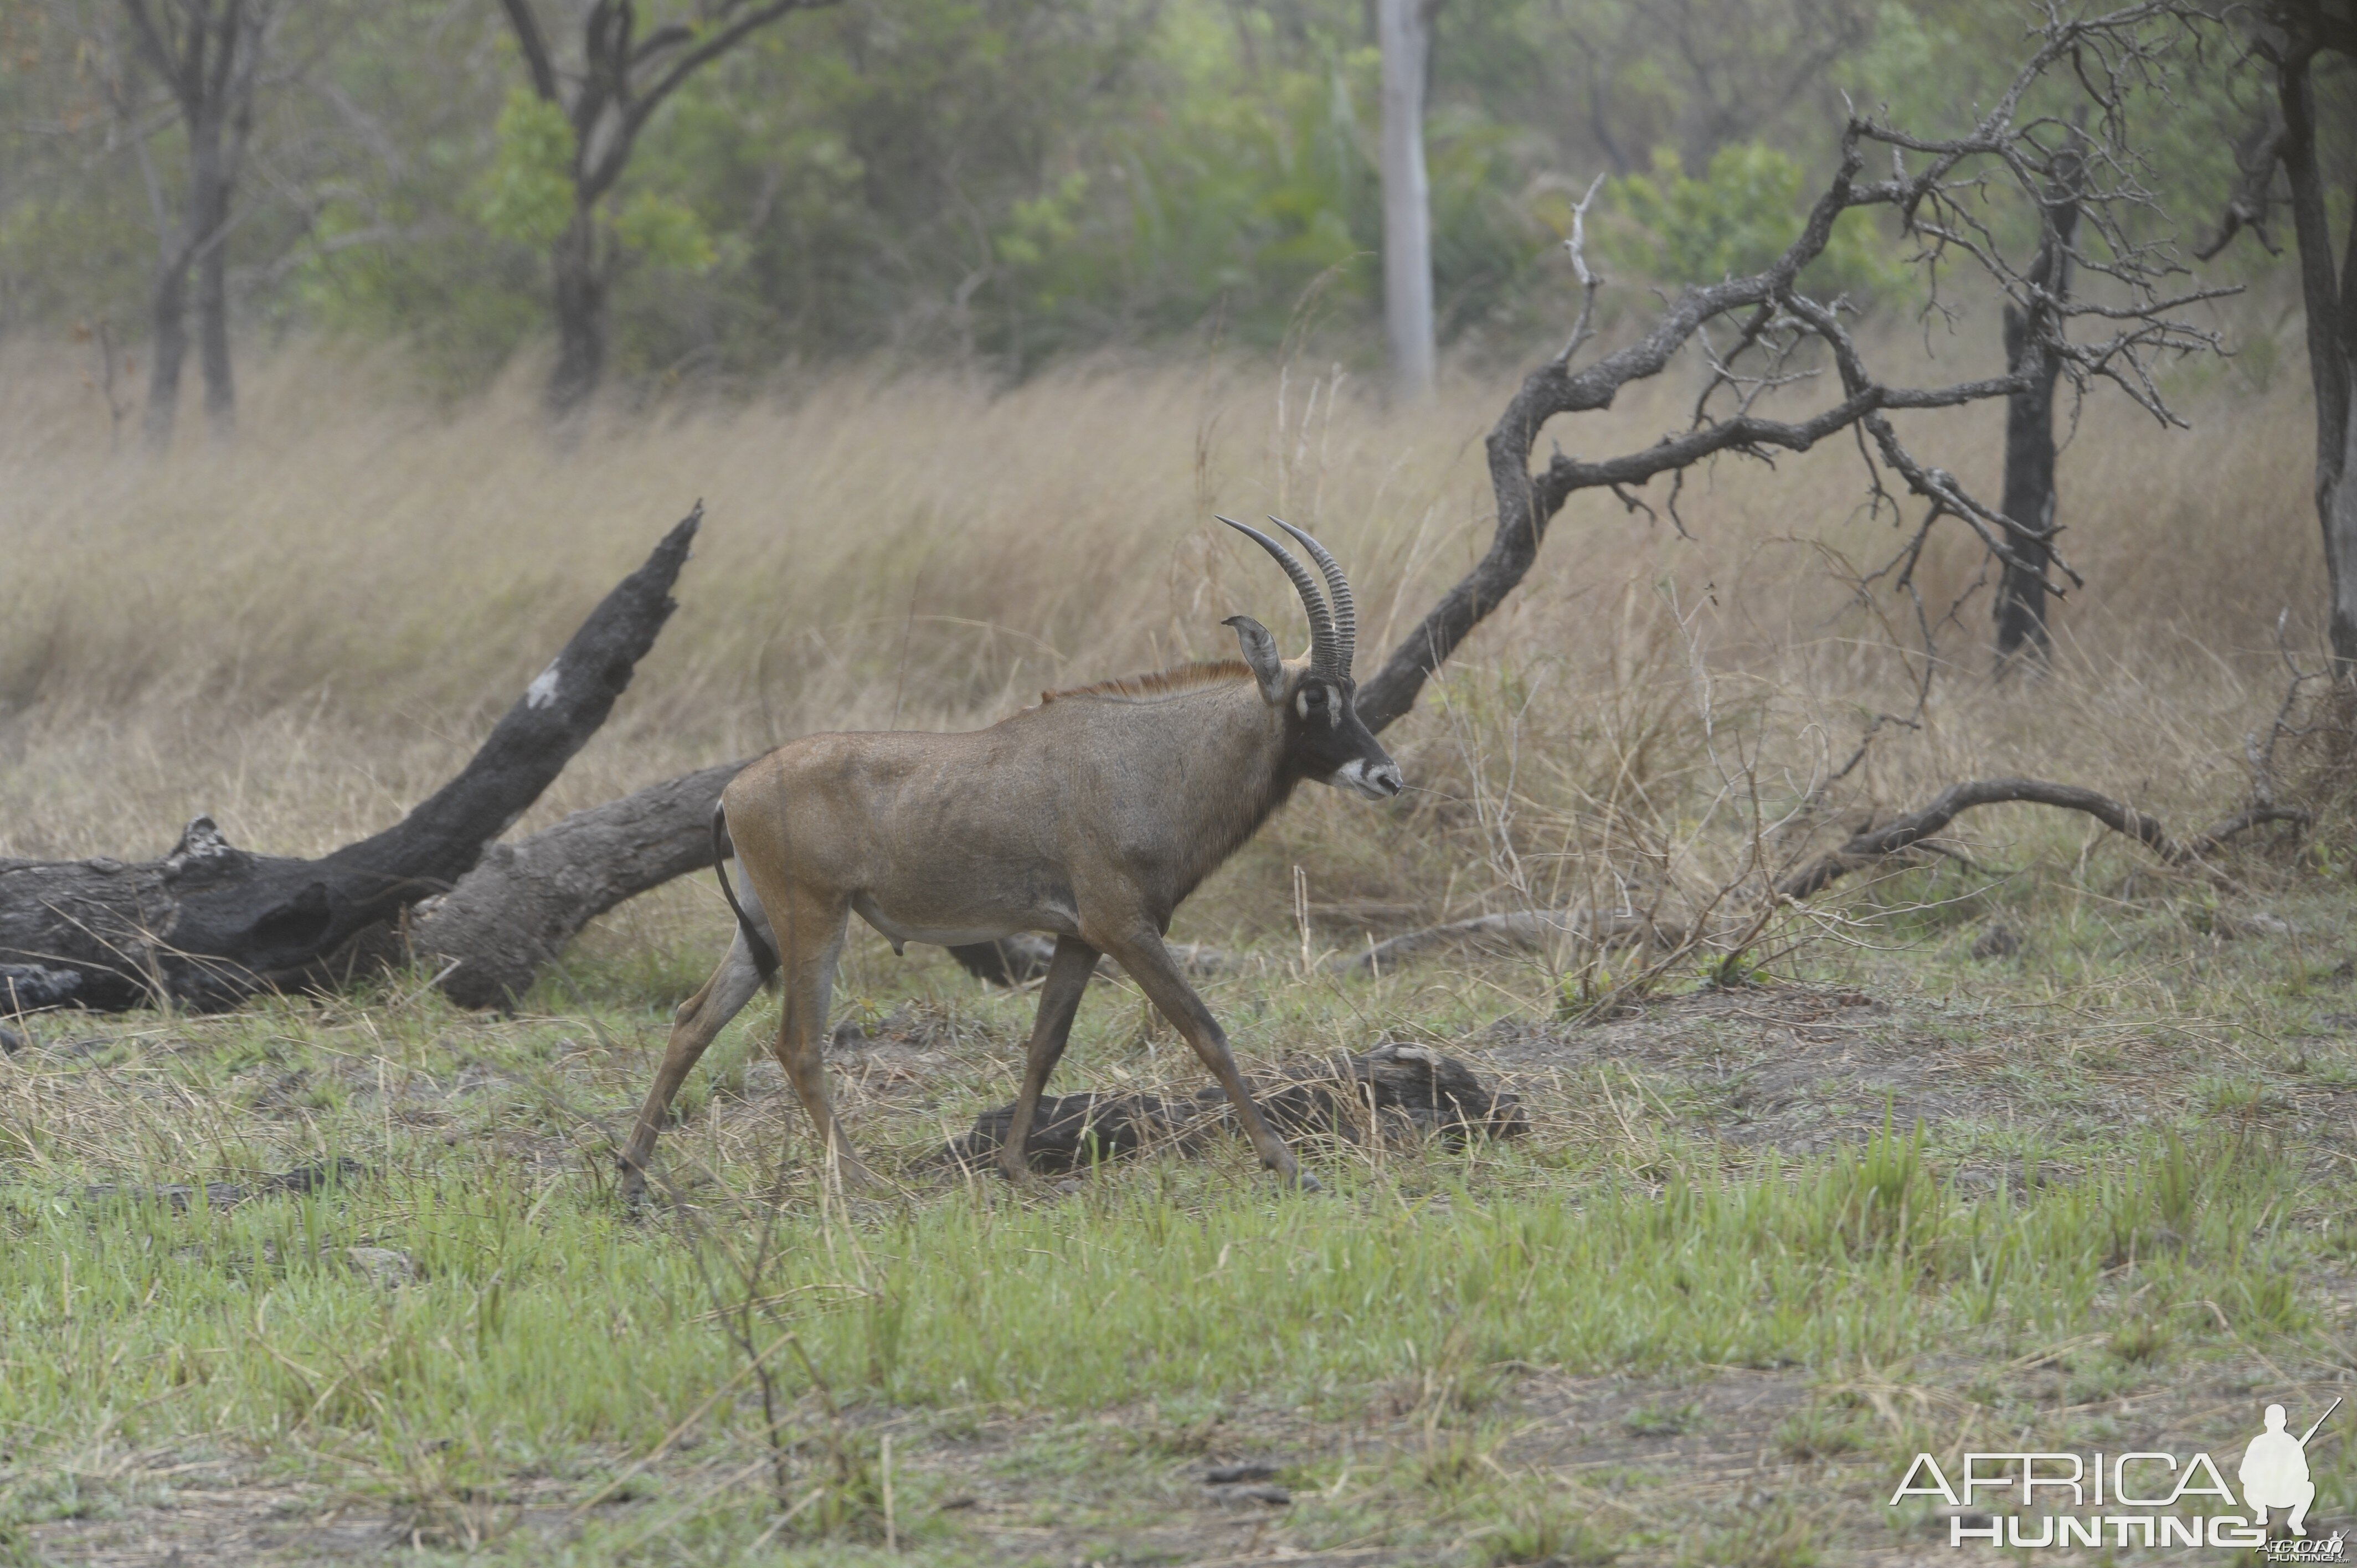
1393 1094
210 924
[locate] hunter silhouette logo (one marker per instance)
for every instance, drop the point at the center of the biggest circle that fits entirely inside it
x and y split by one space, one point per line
2275 1471
2140 1499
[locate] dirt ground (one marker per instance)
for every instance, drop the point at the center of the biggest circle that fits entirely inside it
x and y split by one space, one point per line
1784 1466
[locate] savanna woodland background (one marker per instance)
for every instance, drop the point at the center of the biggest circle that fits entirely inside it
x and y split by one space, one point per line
349 353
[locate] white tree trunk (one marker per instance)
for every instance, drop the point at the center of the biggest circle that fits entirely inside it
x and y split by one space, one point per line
1407 206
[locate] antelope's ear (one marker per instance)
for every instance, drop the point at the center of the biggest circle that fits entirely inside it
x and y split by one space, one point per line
1260 652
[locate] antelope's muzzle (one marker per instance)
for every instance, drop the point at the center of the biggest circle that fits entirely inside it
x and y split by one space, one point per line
1372 781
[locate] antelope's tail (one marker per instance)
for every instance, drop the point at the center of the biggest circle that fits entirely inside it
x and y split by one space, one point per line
765 957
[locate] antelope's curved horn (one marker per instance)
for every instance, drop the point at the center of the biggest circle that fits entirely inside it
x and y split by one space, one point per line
1322 641
1346 608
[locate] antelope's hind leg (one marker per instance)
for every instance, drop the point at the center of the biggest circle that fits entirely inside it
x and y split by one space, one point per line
695 1027
813 926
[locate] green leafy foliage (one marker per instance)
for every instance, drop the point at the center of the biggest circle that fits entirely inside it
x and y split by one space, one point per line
1010 180
1738 218
527 193
665 232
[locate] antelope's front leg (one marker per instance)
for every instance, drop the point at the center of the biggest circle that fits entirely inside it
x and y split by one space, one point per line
1060 999
1150 965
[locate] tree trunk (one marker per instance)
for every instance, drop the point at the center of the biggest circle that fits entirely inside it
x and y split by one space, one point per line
167 352
199 219
580 293
2331 347
2336 505
1407 202
212 330
212 257
2022 637
216 102
210 924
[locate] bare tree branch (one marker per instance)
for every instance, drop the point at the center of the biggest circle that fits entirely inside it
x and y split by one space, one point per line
2255 157
212 924
530 39
1944 204
719 43
1894 837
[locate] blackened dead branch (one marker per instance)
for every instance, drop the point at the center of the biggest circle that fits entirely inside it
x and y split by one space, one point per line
210 924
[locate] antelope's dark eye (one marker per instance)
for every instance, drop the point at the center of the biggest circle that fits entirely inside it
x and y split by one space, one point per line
1314 695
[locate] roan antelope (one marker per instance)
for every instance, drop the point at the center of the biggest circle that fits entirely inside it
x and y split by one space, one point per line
1090 816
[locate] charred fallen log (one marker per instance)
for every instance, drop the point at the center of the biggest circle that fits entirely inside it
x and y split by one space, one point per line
341 1171
210 924
488 937
1392 1093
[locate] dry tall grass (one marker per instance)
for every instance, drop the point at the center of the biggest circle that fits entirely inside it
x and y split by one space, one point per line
305 634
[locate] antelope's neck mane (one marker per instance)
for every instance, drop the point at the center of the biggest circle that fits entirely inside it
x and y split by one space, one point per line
1203 827
1159 684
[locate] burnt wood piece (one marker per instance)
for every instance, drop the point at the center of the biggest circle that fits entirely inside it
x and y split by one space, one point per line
27 987
1394 1091
1010 961
1022 958
1070 1132
210 924
491 935
182 1196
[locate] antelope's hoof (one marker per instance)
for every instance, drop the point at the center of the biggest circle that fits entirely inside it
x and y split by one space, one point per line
633 1186
856 1180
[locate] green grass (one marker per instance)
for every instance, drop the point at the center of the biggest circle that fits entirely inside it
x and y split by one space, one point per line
545 1377
544 1320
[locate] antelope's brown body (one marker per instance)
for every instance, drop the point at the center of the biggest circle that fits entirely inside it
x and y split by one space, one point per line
1090 817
